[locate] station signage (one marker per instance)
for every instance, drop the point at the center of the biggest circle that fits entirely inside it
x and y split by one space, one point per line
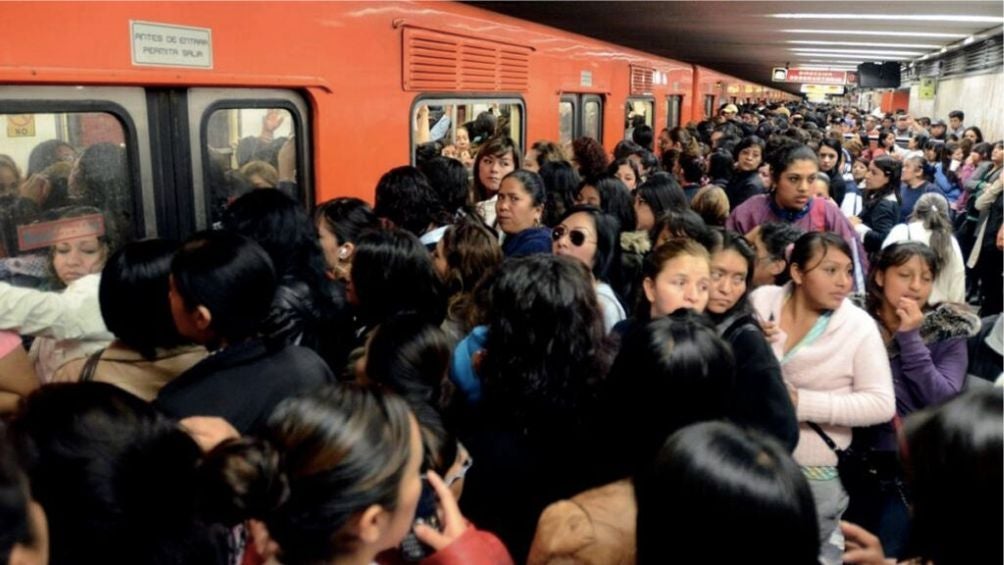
810 76
822 89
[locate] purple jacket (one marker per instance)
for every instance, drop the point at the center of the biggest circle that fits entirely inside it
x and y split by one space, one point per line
928 364
757 210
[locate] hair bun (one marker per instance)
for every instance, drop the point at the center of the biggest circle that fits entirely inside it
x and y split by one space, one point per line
244 478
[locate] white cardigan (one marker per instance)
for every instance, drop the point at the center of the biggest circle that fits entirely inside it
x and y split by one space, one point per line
68 324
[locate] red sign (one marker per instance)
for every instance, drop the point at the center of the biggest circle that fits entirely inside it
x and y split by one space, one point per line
46 234
808 76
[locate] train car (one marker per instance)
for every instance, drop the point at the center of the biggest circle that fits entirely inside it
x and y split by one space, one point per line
320 97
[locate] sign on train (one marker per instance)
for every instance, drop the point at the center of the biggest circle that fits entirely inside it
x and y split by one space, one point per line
47 234
169 45
810 76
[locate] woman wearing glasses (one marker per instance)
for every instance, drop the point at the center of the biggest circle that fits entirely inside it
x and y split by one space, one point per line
587 234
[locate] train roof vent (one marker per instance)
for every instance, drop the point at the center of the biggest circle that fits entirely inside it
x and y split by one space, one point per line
449 62
641 80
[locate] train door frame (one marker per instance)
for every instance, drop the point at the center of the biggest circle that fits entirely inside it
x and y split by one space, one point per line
669 99
579 101
201 103
128 104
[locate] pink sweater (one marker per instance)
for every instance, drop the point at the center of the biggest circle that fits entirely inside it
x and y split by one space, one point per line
843 378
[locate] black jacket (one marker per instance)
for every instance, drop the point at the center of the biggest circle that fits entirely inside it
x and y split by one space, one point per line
743 186
880 216
243 383
838 186
760 398
298 316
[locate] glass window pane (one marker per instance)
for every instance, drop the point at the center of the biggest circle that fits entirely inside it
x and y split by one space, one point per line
709 106
591 119
637 112
456 128
673 105
566 122
249 148
65 185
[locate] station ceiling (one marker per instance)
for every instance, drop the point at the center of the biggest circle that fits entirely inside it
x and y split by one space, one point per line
746 39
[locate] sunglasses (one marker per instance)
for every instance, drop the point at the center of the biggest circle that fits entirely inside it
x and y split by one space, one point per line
577 236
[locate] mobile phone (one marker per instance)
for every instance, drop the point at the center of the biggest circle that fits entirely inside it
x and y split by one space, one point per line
427 513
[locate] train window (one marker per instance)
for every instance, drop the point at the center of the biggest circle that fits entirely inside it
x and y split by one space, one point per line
673 108
592 117
247 149
709 106
66 180
457 127
636 112
566 119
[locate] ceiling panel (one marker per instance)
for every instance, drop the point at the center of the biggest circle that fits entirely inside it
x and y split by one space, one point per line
746 39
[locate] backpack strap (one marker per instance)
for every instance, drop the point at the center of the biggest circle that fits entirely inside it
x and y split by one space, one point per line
90 366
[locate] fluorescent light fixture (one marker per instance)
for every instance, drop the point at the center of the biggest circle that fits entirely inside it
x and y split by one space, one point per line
845 62
864 44
895 17
863 57
868 52
843 32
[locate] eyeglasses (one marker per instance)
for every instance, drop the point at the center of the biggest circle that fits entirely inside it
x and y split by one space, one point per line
577 236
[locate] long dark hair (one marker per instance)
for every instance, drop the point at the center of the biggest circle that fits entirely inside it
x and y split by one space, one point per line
561 182
712 477
896 255
662 193
607 256
732 241
323 458
546 345
615 199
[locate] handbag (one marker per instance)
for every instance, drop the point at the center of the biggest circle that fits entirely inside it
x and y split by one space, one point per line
858 472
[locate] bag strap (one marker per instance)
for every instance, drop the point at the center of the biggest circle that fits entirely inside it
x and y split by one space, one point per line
90 366
826 439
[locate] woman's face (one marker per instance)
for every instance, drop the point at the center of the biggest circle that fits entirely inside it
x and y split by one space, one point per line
827 159
859 170
749 159
515 210
626 174
589 196
643 211
765 268
794 186
820 189
728 280
439 259
930 155
959 155
579 227
463 142
78 257
493 168
911 171
970 135
997 155
337 256
876 178
768 181
530 161
912 280
828 280
683 282
889 140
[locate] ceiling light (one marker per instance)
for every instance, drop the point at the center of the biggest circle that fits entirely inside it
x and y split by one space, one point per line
864 57
868 52
894 17
864 44
836 62
842 32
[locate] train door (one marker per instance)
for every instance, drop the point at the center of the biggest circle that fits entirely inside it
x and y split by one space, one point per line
709 106
580 115
638 111
674 105
123 163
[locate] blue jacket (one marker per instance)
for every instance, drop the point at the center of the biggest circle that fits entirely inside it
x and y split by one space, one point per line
527 242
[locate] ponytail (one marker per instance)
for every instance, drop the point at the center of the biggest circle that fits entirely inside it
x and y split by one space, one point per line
932 210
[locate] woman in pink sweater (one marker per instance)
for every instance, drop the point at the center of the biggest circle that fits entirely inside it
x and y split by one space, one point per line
834 364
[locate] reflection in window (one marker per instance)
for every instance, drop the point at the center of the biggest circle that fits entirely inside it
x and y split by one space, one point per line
566 122
673 105
249 148
65 192
709 106
457 128
591 119
636 113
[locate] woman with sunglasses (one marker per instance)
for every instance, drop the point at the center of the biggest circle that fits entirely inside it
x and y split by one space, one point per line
518 211
590 236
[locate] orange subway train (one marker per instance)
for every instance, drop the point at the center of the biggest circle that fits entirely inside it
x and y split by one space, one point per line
329 93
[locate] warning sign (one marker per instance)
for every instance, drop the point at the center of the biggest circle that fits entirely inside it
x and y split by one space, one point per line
21 125
167 45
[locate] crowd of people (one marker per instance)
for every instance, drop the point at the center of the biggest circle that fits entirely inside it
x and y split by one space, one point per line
772 335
